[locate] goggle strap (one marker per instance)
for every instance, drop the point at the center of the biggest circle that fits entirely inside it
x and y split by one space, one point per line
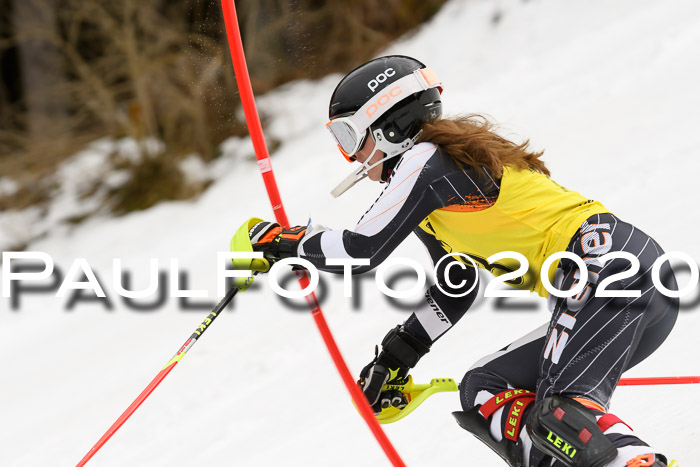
431 79
419 80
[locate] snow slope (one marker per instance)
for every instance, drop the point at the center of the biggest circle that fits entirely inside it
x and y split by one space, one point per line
609 89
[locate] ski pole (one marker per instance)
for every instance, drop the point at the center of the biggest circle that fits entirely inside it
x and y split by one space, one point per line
162 374
261 153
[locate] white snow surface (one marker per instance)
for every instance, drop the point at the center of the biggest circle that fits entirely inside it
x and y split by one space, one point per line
74 190
608 89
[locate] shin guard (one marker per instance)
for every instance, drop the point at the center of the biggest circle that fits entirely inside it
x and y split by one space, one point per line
476 424
478 421
567 431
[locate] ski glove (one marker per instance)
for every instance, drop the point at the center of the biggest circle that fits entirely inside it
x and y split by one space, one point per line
400 352
275 242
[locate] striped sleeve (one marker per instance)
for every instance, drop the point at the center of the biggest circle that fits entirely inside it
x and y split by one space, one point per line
403 203
439 311
424 180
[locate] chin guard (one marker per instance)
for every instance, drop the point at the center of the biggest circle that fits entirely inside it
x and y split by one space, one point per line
348 183
391 152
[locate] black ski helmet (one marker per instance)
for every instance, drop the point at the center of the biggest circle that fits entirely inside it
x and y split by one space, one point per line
400 123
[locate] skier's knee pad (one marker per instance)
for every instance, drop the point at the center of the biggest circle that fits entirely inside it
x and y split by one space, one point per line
476 380
567 431
469 387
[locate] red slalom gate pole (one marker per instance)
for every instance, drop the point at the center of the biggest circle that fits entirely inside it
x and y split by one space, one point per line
659 380
261 153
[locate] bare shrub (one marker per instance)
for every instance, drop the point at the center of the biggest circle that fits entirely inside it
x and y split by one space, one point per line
77 70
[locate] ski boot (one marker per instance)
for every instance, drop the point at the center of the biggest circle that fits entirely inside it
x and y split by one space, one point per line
569 431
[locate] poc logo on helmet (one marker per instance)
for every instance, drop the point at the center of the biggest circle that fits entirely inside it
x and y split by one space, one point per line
382 100
381 77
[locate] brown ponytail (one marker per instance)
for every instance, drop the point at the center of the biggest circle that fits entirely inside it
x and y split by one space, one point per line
470 141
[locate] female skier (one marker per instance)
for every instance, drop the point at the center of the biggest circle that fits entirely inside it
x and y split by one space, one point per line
461 188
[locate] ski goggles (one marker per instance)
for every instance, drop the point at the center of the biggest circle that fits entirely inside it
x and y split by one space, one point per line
351 132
